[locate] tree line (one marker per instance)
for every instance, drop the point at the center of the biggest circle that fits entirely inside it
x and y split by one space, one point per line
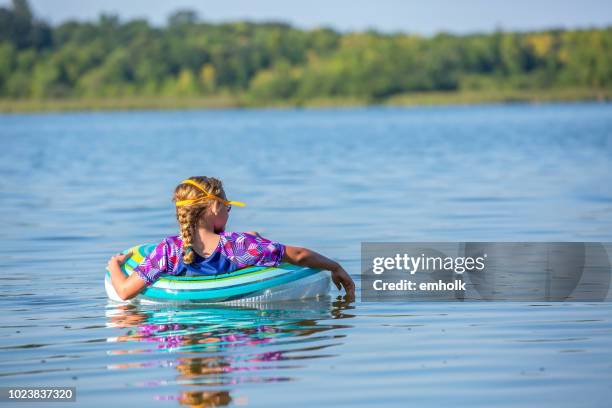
275 61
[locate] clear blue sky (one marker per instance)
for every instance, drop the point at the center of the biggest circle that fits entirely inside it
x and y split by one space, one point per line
422 17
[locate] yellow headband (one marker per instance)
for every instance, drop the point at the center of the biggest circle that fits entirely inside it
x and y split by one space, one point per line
207 196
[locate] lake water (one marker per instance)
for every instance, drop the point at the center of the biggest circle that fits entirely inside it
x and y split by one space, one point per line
78 187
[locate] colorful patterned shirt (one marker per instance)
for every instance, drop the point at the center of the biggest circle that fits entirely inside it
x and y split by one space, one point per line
235 250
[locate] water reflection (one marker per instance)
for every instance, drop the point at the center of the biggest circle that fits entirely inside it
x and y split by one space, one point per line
215 347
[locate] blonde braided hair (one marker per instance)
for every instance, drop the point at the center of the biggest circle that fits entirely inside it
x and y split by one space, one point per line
189 217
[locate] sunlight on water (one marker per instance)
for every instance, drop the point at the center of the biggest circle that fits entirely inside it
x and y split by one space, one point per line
79 187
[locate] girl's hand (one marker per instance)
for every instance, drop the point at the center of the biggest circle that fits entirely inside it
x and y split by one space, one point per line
342 279
119 259
126 287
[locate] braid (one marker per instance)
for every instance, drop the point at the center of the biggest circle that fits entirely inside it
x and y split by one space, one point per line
185 220
188 217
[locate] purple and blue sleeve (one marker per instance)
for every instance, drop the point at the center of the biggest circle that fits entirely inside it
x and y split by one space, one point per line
154 264
246 250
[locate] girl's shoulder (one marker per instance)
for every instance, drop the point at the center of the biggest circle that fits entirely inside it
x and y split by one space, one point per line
236 242
170 243
248 249
237 237
173 240
165 257
170 246
246 241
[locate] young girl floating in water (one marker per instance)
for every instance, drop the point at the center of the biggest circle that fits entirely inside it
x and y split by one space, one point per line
203 246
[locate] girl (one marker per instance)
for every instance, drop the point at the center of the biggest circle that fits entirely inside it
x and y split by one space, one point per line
203 246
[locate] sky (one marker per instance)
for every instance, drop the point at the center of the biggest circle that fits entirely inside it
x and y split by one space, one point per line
425 17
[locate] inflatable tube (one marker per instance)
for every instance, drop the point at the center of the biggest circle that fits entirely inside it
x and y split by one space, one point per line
255 284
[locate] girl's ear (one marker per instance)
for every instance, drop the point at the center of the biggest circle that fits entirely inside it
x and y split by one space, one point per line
215 207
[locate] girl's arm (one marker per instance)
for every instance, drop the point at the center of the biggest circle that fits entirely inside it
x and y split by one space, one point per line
306 257
126 287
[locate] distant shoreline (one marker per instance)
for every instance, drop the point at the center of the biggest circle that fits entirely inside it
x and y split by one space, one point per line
230 101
